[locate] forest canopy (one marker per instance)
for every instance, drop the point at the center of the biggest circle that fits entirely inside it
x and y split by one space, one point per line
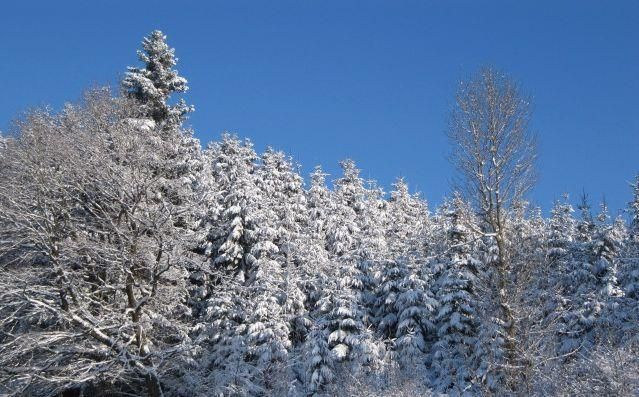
136 261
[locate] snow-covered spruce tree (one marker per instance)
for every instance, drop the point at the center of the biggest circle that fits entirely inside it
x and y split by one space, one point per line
549 281
405 307
319 360
231 223
606 248
407 221
365 208
634 211
4 142
154 84
346 316
591 285
342 228
284 190
280 318
231 226
416 308
629 271
630 268
586 223
319 285
371 252
457 317
390 276
606 245
319 202
561 236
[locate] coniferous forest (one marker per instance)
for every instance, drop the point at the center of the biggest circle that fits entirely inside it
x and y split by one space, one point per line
136 261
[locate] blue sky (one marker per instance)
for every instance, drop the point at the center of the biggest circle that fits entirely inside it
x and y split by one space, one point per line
371 80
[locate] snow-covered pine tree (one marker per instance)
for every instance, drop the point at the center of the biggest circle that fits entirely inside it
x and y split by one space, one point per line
580 305
231 235
606 244
371 252
3 142
154 84
346 314
457 317
319 201
550 280
405 305
586 224
284 192
634 210
407 221
630 268
561 237
390 276
416 308
319 361
362 207
628 312
606 248
320 285
342 229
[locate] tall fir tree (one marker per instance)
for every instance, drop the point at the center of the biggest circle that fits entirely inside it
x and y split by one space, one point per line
154 84
457 317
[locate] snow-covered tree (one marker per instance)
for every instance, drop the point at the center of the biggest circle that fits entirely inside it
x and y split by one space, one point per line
97 251
605 247
154 84
319 361
457 317
407 219
416 308
4 142
231 219
634 210
580 306
391 275
630 268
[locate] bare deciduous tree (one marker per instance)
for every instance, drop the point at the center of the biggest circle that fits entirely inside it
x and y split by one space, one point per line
494 152
93 285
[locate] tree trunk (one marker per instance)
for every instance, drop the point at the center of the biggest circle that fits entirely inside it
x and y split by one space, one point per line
153 385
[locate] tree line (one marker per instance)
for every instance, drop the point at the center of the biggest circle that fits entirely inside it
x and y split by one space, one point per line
137 262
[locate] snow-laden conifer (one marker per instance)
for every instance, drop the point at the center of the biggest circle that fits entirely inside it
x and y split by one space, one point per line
457 317
153 84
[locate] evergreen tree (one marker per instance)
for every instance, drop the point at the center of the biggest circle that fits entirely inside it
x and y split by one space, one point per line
630 270
346 315
605 247
634 211
154 84
407 221
319 361
416 308
390 276
231 234
283 189
231 220
457 317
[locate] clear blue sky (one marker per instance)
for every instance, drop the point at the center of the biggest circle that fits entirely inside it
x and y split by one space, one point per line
370 80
